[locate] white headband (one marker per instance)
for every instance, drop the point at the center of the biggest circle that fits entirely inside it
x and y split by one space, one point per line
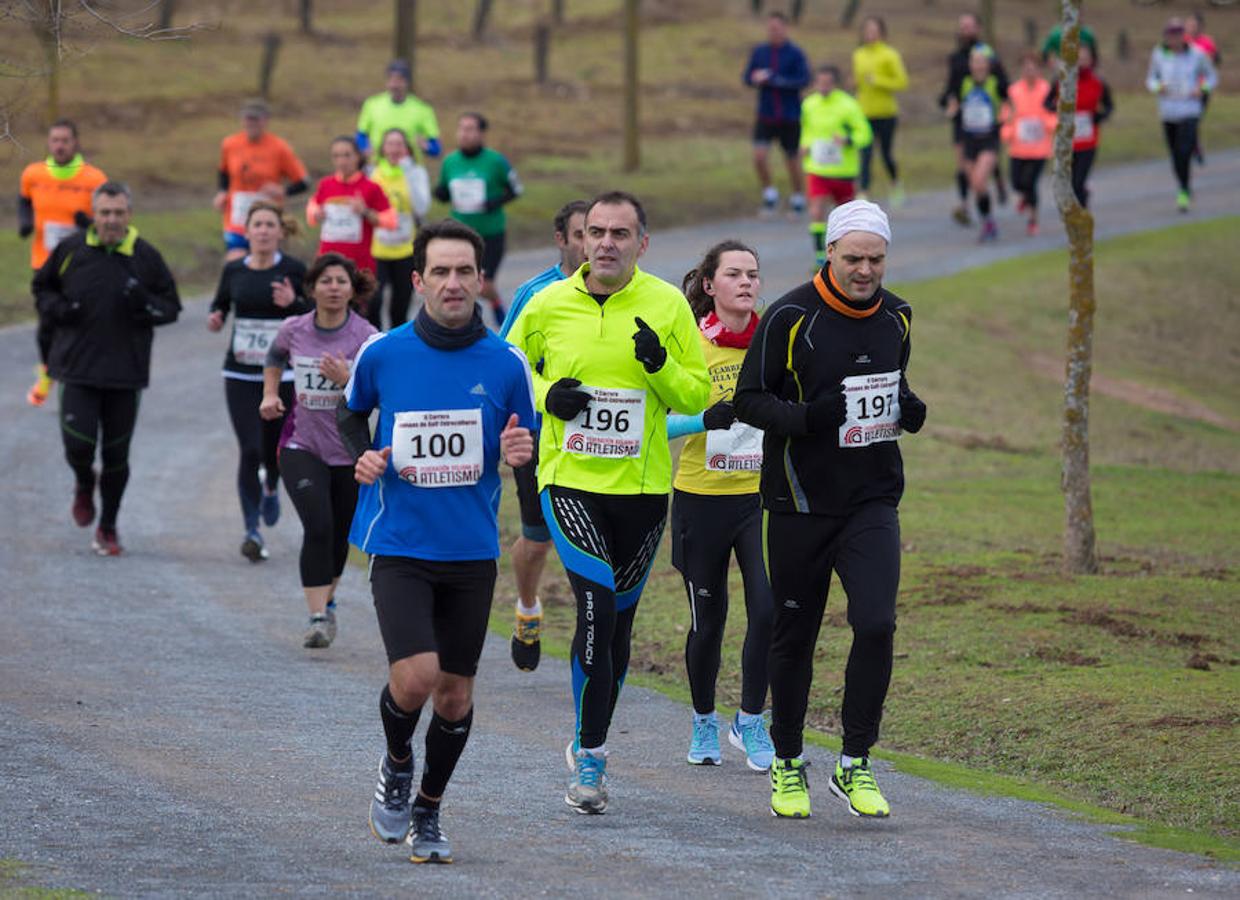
857 215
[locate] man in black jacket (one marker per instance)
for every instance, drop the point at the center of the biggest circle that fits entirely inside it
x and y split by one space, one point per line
103 291
825 379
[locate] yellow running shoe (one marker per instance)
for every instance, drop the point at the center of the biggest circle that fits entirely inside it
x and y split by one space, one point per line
789 789
856 787
526 642
42 387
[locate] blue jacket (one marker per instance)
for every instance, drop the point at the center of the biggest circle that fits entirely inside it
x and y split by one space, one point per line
779 99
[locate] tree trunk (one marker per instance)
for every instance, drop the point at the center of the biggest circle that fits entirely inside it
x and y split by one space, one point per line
267 67
405 38
482 14
632 149
542 49
305 13
557 12
987 15
167 10
1079 555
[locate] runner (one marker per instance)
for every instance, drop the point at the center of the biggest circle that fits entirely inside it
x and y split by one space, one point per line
349 206
529 550
979 107
1181 75
427 516
102 292
254 164
1028 133
478 182
968 36
825 378
716 510
397 108
392 248
780 71
1093 107
1193 23
317 470
878 71
261 289
833 127
618 348
53 203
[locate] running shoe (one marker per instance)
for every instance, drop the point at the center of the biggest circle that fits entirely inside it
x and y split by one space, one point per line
704 747
330 612
42 387
990 232
1031 228
84 505
858 789
391 807
751 736
770 202
1183 201
587 789
526 644
961 216
427 844
106 542
252 547
796 204
896 197
269 507
318 632
1022 205
789 789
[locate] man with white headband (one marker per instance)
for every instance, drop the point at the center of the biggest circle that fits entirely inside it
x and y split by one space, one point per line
825 379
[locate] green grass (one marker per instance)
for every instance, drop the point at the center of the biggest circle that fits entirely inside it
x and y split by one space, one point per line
1117 695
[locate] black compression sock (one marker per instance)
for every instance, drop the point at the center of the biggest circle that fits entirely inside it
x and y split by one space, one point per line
398 726
426 803
445 741
962 185
983 204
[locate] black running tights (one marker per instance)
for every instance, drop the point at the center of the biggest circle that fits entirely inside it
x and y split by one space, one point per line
258 440
97 417
324 497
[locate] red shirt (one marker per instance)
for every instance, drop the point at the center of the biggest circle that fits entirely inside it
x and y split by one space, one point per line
1093 107
342 230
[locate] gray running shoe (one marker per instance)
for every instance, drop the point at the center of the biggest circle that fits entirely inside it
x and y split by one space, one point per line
330 612
391 808
427 844
587 789
319 633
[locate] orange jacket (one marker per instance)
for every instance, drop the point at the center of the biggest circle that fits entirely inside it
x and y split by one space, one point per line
1030 127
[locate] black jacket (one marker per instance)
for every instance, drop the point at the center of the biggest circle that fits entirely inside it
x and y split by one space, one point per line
246 293
958 68
103 303
802 350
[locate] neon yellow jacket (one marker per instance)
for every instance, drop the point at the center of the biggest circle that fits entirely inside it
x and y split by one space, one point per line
824 118
565 333
393 243
879 73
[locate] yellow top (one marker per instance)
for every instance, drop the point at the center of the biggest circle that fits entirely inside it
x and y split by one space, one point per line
879 73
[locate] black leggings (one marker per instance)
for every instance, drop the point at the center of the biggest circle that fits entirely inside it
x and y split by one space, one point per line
258 439
1082 162
607 543
1181 141
1025 175
864 551
705 532
324 497
397 274
884 135
91 417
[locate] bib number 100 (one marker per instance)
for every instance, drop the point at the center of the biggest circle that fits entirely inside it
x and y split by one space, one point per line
437 445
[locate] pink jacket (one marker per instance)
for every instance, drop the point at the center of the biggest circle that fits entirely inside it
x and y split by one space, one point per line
1030 127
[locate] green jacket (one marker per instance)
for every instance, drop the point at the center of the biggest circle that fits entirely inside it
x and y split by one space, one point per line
833 131
566 333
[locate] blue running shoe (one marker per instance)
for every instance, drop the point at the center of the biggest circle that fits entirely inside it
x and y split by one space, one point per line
751 737
704 748
427 843
391 809
587 789
270 507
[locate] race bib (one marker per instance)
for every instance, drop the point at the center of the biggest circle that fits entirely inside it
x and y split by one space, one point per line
54 233
611 426
1030 130
1084 126
252 338
399 236
314 389
977 115
440 448
826 153
240 208
737 449
469 195
873 409
341 225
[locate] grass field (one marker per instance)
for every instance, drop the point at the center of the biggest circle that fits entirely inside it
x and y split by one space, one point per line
1119 690
154 113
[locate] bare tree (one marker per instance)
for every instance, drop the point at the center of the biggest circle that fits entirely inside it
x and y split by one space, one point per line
482 15
632 31
1079 553
405 37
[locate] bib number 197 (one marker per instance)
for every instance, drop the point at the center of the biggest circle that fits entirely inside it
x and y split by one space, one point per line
873 409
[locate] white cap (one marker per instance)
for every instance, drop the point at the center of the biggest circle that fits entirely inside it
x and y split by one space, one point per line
857 215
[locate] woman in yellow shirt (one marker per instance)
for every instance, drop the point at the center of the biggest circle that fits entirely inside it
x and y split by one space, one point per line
879 74
392 248
716 509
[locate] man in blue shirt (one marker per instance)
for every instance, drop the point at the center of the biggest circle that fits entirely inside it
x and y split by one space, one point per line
780 71
529 551
426 514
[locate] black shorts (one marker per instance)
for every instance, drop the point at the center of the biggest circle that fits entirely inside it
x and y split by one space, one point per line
492 254
533 525
788 134
976 144
429 606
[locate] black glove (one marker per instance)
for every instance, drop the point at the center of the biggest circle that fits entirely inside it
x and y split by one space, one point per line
25 230
912 412
827 413
136 296
646 347
720 416
564 401
82 220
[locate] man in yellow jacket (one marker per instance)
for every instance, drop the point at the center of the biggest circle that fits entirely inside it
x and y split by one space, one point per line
613 349
879 74
833 131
